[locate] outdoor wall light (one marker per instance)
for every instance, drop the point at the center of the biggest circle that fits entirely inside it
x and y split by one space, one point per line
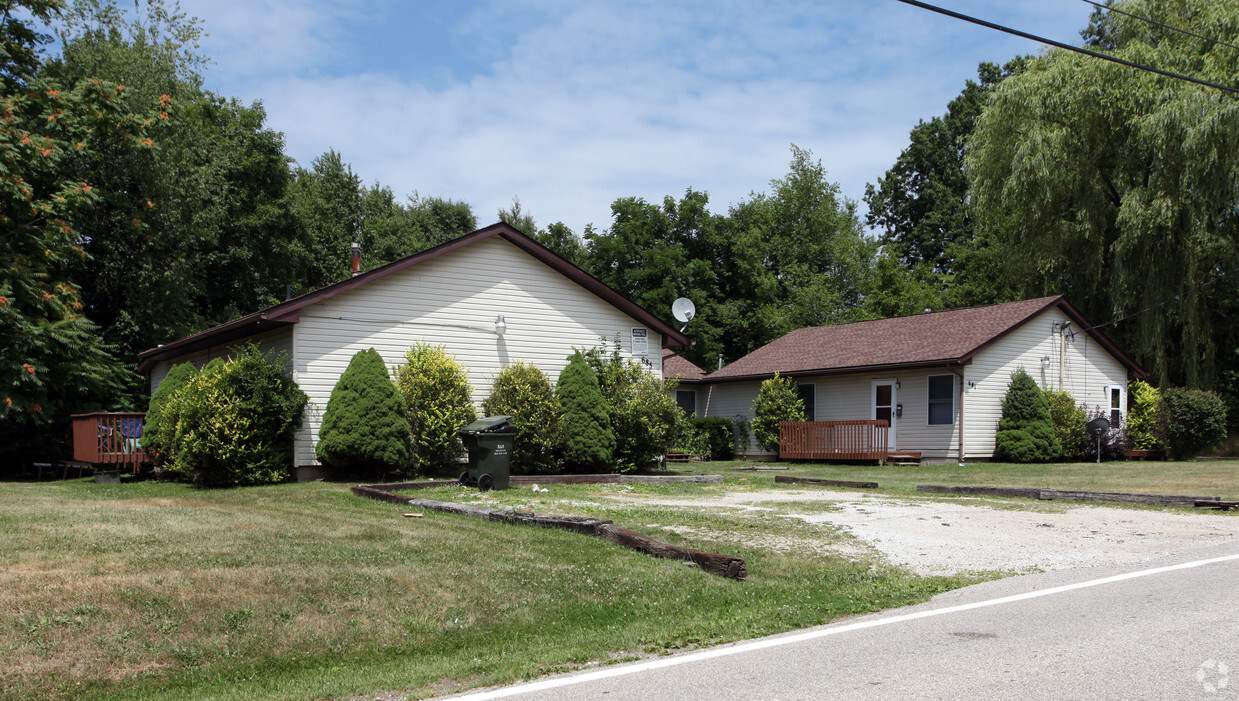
500 325
1045 360
897 383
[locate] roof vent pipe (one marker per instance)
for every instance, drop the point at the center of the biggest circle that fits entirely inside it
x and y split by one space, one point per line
356 259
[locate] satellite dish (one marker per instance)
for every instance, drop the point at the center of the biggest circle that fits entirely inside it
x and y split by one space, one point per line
683 309
1098 425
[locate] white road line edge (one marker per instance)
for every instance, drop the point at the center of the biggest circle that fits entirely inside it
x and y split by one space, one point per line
727 650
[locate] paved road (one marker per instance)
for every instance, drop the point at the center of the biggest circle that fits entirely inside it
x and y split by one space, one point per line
1167 630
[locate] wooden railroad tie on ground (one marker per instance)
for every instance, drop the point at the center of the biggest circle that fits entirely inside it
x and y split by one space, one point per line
787 479
1219 505
722 565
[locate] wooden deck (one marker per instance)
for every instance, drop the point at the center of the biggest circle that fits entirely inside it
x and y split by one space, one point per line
109 439
862 439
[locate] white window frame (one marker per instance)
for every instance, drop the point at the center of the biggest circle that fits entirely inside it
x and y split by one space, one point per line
1109 406
929 399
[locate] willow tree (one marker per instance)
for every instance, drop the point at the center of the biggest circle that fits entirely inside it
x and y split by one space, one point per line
1118 187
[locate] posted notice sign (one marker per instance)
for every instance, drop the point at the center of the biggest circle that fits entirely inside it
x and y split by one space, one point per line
640 341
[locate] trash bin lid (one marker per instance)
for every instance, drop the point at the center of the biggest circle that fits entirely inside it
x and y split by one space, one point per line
489 423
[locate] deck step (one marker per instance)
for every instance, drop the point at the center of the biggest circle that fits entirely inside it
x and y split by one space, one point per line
904 458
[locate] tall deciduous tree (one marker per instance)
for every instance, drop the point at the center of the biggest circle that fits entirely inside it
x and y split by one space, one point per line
1117 187
52 361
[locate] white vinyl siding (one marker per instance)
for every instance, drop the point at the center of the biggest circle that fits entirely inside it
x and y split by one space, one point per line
1087 370
453 301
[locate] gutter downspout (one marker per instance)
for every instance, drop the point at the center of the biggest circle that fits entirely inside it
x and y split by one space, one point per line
960 375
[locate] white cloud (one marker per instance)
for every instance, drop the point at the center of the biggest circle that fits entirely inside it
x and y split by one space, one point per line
576 104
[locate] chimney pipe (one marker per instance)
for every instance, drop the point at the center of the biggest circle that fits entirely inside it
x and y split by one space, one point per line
356 259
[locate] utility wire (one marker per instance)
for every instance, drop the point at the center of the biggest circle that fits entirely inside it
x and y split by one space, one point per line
1153 22
1068 47
1164 302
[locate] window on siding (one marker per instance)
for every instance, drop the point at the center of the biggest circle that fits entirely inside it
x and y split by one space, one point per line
1116 406
687 401
941 400
809 394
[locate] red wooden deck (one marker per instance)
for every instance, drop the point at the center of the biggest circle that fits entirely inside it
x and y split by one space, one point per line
109 439
863 439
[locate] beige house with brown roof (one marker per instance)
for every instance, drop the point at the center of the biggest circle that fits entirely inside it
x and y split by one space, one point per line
492 297
939 377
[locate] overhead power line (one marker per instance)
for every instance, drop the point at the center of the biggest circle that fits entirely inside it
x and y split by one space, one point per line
1067 47
1155 23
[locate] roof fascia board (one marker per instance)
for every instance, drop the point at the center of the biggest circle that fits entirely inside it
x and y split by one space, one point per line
854 370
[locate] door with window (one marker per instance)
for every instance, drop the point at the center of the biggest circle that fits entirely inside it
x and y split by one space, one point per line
884 402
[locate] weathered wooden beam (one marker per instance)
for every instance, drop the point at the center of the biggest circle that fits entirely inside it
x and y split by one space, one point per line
761 468
1017 492
1219 505
614 479
723 565
1158 499
787 479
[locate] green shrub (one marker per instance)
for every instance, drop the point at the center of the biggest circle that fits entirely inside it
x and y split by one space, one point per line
1114 442
644 416
169 425
717 436
588 441
1026 431
438 401
235 423
1069 419
172 383
364 430
524 392
777 401
1142 418
1191 420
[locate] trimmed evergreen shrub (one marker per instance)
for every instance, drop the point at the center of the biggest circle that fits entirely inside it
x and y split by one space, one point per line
364 430
1191 420
718 436
172 383
588 441
1069 419
777 401
1026 431
438 401
524 392
1142 416
236 422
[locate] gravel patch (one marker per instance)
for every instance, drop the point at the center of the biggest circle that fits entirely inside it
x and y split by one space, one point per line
932 536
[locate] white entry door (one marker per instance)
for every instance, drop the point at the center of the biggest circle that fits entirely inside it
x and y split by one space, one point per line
884 403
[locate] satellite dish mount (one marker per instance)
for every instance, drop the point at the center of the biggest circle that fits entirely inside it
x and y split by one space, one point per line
683 310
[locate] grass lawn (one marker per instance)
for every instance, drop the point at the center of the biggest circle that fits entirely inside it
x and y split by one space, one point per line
303 591
1218 478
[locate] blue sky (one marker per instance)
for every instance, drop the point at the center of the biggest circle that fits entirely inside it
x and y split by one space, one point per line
570 105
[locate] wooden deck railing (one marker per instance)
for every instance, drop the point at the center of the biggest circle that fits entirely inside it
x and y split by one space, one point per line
834 440
109 438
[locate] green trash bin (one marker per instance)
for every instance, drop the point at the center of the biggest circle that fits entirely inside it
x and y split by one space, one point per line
489 442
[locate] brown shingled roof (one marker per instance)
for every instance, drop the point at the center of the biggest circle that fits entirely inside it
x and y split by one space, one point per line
676 367
924 340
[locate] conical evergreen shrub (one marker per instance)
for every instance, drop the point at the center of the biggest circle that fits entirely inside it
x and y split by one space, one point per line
588 442
364 430
1026 430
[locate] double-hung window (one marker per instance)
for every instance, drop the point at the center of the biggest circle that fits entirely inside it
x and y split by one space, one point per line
941 400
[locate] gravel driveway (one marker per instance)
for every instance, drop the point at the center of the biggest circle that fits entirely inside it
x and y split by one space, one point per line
933 536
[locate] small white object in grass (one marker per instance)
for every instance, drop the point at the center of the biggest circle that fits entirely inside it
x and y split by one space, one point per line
535 488
545 490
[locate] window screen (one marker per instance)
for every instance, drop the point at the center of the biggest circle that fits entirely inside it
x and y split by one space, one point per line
809 394
687 400
941 400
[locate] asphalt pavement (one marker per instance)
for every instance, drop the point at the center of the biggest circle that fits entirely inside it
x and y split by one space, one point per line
1166 629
